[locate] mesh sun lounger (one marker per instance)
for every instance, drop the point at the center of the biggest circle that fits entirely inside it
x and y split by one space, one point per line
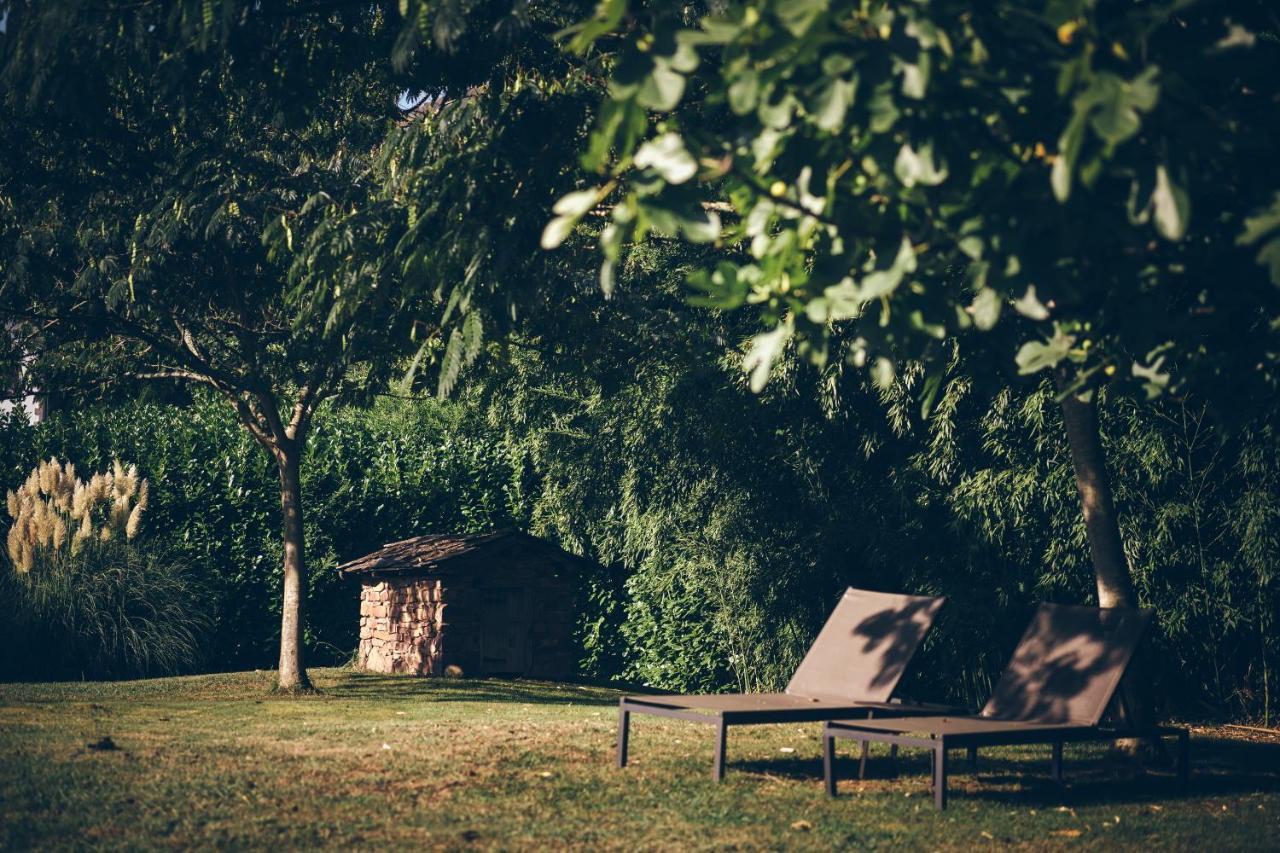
1057 688
852 668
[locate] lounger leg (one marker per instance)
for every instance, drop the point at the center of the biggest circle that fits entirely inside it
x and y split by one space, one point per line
893 760
866 747
1184 758
940 774
1057 762
973 758
829 763
717 772
624 724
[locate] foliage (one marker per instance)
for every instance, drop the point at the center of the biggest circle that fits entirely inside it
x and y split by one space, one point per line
737 518
370 477
114 609
142 256
1083 182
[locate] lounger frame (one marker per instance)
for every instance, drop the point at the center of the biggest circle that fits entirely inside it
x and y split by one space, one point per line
852 669
722 720
1032 702
938 745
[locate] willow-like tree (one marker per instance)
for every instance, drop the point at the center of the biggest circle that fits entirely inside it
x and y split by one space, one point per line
137 185
906 178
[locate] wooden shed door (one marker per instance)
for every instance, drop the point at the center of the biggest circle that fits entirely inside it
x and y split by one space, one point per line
506 630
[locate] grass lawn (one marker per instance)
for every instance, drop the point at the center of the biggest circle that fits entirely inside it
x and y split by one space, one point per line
379 761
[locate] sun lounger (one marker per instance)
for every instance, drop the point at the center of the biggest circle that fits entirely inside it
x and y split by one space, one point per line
852 668
1056 689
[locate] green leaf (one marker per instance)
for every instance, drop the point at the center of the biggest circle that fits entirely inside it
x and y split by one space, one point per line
915 78
1068 151
576 203
1269 257
766 349
883 282
607 278
450 364
667 156
608 15
661 90
1035 356
929 393
1172 207
777 114
472 336
703 226
798 15
986 308
557 230
884 111
831 104
1115 103
843 301
1155 381
744 92
1261 223
1029 305
918 167
883 373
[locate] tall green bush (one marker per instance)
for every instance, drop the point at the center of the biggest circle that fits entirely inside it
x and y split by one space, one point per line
110 610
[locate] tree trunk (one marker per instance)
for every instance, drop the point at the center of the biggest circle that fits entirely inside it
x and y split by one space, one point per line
1110 567
1106 547
293 671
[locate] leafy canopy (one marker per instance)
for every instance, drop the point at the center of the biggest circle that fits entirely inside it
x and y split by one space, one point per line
1089 185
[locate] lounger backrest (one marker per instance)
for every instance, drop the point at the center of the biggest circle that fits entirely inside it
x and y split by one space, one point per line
1068 664
863 650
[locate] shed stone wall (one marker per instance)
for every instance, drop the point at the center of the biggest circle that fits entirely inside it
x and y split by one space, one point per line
401 625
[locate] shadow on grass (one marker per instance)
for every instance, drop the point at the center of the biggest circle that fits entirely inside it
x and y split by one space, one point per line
1219 767
431 689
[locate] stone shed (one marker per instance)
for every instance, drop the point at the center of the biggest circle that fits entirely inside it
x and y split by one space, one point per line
490 604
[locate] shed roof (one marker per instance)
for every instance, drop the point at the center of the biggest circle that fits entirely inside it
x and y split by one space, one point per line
431 553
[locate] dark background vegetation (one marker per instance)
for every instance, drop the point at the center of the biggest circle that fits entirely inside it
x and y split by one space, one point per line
725 522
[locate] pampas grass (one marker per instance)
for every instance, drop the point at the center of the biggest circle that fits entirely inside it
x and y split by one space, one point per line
53 503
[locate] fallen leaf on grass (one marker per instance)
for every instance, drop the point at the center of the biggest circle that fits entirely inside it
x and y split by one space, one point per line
987 835
786 749
802 826
546 774
1066 833
386 746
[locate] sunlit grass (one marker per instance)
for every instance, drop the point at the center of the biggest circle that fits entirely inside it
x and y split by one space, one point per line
381 761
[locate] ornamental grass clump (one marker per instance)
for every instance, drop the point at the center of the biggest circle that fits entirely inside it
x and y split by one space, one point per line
54 510
87 599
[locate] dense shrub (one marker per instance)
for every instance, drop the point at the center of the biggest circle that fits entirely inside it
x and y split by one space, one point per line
110 610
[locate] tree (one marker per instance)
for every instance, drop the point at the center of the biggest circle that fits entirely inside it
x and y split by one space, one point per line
905 178
133 235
